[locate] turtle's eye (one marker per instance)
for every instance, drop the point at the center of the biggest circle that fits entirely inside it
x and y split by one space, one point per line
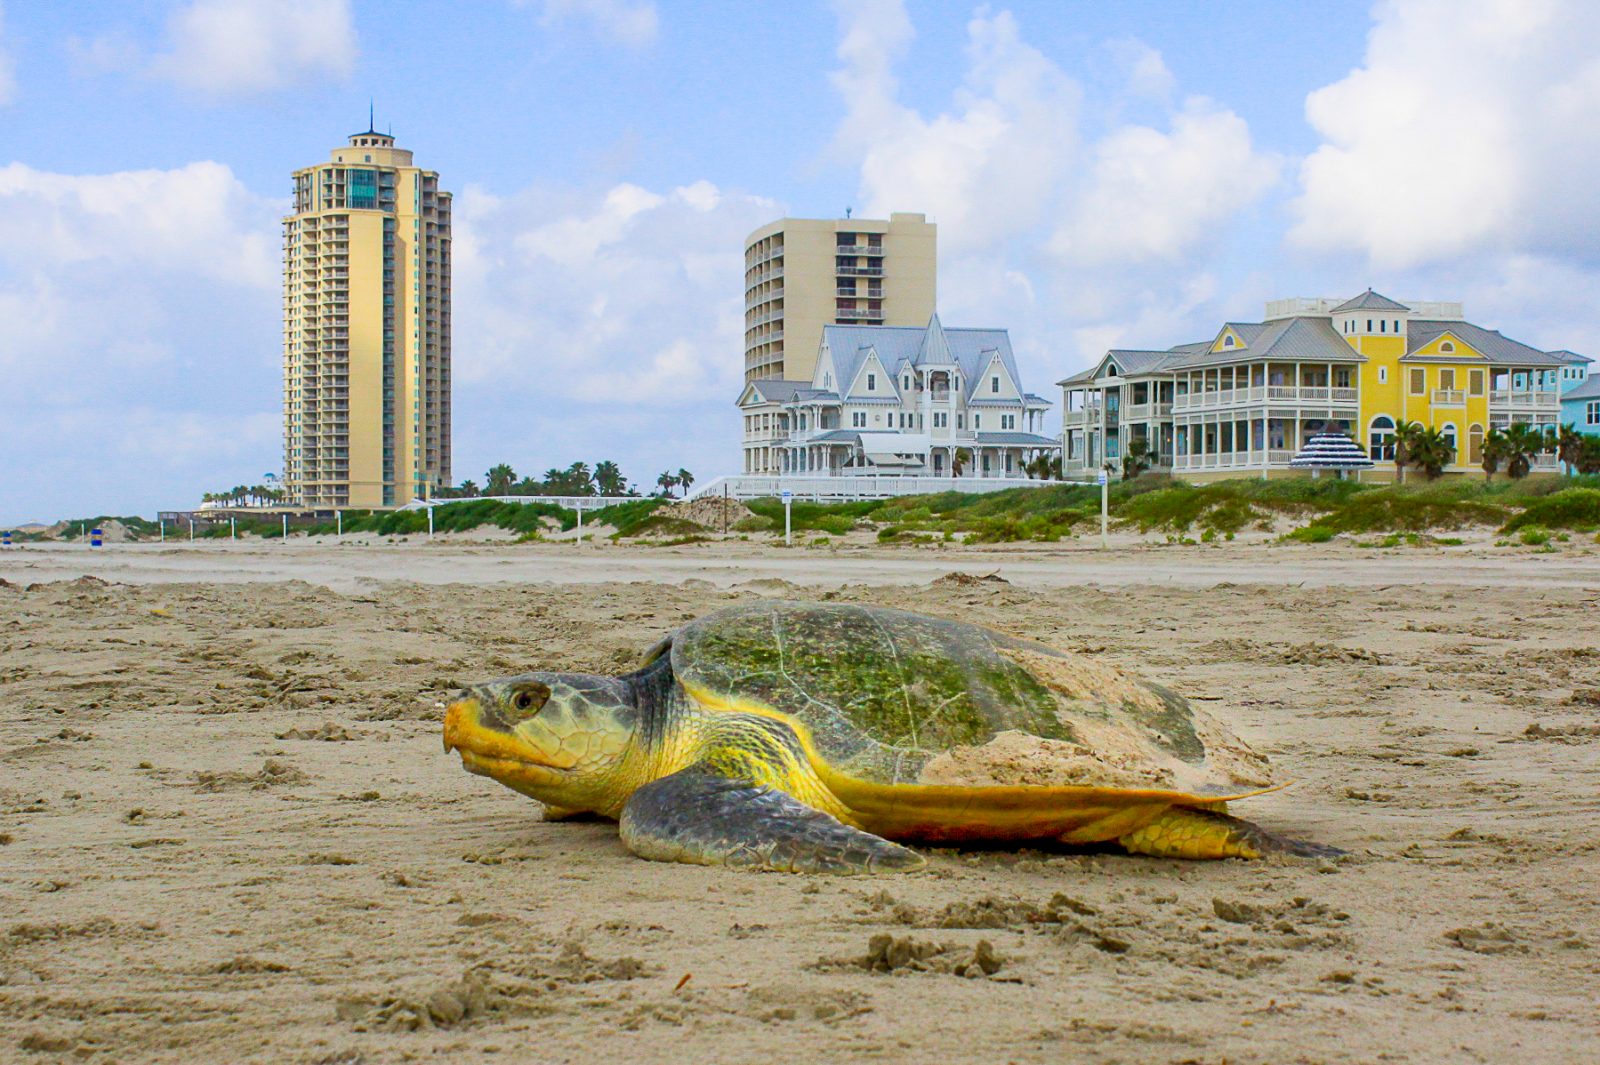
530 698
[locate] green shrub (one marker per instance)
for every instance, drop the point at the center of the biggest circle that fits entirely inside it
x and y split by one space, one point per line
1312 534
1570 508
1534 536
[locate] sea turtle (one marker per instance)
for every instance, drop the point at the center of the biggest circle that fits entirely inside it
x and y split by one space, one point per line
808 736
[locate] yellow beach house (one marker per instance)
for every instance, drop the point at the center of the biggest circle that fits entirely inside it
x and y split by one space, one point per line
1244 401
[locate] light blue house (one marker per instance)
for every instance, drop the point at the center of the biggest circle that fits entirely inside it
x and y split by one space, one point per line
1573 373
1580 407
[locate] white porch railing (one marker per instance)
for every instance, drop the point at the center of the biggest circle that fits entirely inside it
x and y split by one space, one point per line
1237 397
1233 460
862 486
1552 400
1449 397
570 502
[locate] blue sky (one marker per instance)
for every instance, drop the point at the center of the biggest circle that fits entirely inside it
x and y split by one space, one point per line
1103 174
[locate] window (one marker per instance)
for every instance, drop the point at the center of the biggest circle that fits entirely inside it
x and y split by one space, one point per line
1369 325
1447 347
858 419
827 380
1475 382
1383 375
994 384
1419 381
1382 326
1591 412
1227 342
977 421
1475 445
1447 378
1380 439
1397 325
1449 432
872 382
905 383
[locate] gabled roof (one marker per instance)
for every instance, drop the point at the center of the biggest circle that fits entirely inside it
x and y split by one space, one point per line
1491 343
1569 356
1590 389
775 389
1370 301
969 349
1283 338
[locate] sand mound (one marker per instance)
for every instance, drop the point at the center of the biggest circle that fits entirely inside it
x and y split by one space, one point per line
711 511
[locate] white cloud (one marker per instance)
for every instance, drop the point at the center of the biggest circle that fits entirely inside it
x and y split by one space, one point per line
8 80
1155 195
600 324
235 47
141 351
1146 71
630 22
1470 126
986 169
1067 239
196 220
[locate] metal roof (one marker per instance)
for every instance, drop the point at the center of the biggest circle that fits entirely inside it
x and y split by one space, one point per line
1029 439
775 389
1590 389
1569 356
1284 338
1491 343
1370 301
969 349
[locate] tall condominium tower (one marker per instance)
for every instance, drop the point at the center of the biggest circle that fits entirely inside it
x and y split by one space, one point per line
801 274
366 329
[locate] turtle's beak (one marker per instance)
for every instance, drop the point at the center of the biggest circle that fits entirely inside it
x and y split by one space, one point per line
461 716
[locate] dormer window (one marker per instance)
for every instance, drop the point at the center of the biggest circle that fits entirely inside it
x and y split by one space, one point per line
1227 341
872 382
994 384
905 383
1447 347
827 380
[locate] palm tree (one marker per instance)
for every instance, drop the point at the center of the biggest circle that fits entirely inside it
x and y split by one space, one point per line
1431 451
1044 467
1523 442
685 479
1569 444
499 480
960 461
1496 450
1587 460
1405 436
1136 459
468 489
608 478
667 482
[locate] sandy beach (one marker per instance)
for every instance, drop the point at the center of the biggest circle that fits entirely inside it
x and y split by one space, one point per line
228 831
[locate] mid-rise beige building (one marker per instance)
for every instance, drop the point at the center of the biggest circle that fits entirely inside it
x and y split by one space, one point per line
801 274
366 330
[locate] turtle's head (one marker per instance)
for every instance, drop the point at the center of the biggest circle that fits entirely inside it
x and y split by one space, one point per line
556 737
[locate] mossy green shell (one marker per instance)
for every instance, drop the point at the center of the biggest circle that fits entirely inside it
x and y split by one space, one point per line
883 692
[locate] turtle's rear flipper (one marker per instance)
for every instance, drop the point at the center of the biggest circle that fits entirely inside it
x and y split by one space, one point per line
700 816
1189 832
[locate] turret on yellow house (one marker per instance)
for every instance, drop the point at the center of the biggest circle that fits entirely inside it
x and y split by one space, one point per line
1247 399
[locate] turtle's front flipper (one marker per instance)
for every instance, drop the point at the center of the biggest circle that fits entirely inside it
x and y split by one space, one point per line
703 817
1191 832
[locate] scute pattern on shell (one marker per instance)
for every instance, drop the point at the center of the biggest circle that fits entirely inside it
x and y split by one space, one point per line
894 697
